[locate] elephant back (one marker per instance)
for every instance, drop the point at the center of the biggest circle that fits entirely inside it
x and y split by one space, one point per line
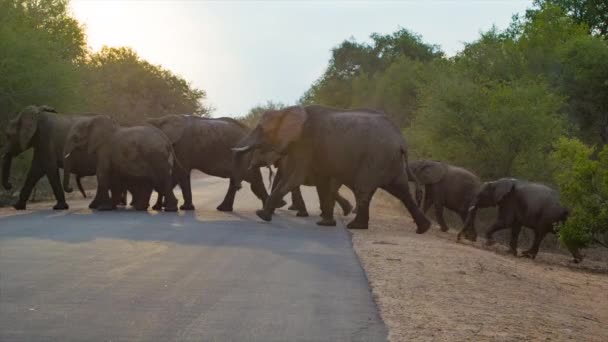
428 171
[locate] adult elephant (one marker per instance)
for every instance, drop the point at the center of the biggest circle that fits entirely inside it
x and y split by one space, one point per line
41 128
446 186
260 159
520 203
138 159
361 149
205 144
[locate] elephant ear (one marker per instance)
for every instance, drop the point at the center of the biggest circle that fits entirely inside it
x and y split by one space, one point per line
503 187
98 130
430 171
284 126
172 125
28 124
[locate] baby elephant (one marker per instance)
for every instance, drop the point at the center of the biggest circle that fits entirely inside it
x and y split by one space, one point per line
520 203
446 186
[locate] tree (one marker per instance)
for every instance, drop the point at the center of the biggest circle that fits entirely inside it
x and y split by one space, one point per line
118 82
593 13
253 116
583 185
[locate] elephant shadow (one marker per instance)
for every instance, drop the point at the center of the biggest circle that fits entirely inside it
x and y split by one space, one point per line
293 238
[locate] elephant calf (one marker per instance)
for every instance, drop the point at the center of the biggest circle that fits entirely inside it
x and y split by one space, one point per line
520 203
446 186
138 159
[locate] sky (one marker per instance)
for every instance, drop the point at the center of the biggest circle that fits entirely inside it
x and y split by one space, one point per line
244 53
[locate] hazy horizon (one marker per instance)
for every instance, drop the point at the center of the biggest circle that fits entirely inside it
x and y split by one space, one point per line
246 53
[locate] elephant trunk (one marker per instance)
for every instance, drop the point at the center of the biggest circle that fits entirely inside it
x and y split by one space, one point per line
411 176
80 188
7 160
67 171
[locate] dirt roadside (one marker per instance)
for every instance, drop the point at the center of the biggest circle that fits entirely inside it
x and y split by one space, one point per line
431 288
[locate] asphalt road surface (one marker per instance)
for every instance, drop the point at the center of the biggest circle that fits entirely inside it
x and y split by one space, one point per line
79 275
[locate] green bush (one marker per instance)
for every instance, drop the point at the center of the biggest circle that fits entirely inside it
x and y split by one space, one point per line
583 185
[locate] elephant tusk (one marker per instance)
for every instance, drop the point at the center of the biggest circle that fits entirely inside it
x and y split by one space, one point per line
471 208
67 155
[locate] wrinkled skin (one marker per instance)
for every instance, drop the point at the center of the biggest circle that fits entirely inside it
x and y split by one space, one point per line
520 203
41 128
446 186
204 144
259 159
360 149
137 159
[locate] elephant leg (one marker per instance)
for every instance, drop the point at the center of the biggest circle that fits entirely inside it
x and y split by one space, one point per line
33 176
539 235
280 189
498 225
228 202
439 216
52 174
186 186
144 192
428 198
158 206
363 198
327 202
400 189
257 185
515 230
297 202
344 204
166 188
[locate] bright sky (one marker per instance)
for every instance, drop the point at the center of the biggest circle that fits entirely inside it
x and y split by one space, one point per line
244 53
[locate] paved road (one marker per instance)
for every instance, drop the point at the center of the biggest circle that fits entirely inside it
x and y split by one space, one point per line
193 276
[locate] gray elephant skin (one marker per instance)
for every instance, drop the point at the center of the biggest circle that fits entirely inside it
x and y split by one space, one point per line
205 144
41 128
361 149
446 186
260 159
138 159
519 203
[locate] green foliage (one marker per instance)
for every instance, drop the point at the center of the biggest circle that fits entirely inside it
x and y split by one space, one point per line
583 183
253 116
137 89
592 13
494 128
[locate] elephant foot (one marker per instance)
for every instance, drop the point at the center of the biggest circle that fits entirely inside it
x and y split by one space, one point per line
490 241
327 222
302 213
354 224
281 204
105 207
171 208
423 226
528 254
61 206
293 207
223 207
264 215
19 206
144 208
157 207
185 206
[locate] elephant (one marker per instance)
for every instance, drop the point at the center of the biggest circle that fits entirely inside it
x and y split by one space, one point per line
446 186
520 203
358 148
204 144
138 159
44 130
259 159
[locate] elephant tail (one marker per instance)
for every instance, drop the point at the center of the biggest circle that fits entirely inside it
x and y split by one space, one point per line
412 177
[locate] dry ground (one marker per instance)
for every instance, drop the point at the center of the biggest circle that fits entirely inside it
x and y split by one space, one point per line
429 287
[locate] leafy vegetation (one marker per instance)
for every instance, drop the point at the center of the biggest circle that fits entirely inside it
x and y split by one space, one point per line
500 105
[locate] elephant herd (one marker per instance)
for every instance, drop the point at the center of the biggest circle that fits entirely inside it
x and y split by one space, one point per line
313 145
